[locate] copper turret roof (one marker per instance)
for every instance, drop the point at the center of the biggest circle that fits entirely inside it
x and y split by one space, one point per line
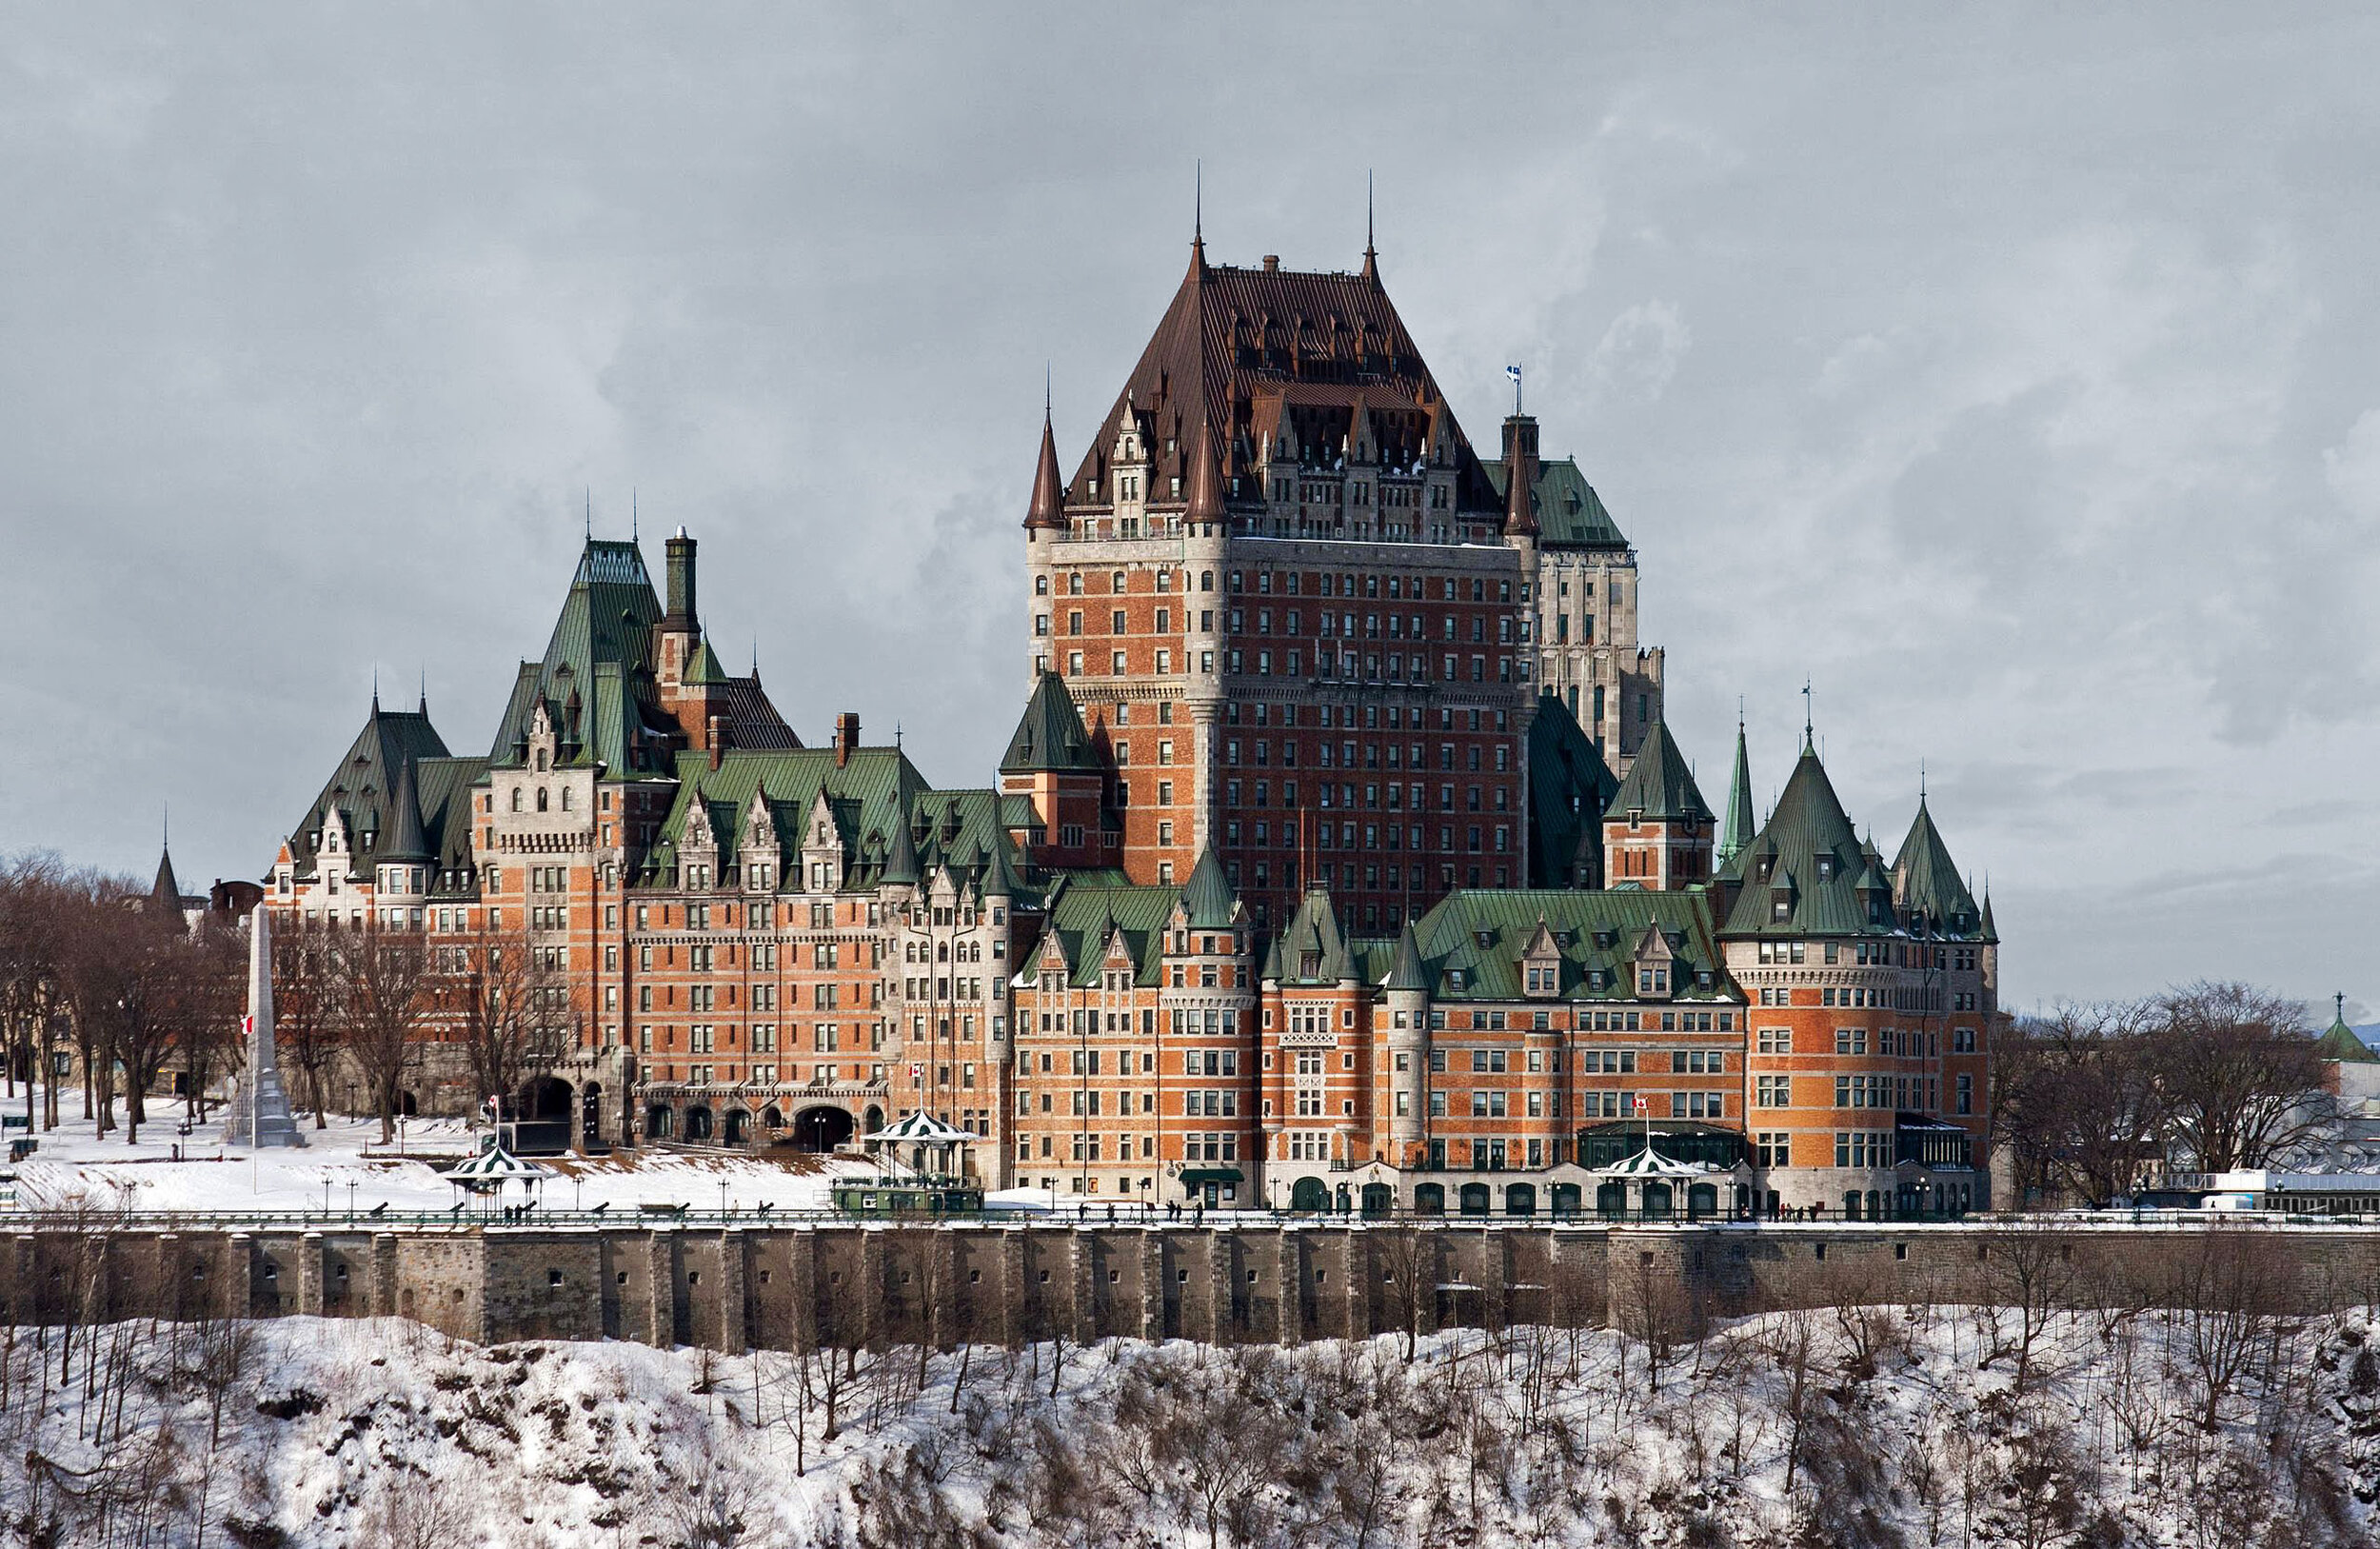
1049 492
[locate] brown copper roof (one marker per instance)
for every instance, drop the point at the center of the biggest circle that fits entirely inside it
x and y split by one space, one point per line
1048 496
1259 352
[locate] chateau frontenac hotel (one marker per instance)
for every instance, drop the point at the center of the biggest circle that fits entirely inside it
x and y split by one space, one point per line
1340 857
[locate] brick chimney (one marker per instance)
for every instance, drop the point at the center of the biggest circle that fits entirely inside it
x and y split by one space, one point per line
718 737
846 736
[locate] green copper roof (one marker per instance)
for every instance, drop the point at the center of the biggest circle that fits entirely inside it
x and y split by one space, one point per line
1570 514
1313 950
2339 1040
1051 736
1405 970
1208 897
405 839
594 678
702 667
1927 882
362 789
872 801
1801 873
1737 832
1659 784
1570 787
1082 920
164 894
1483 935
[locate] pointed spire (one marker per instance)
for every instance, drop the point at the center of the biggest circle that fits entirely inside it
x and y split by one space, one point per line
1404 969
1208 897
590 513
901 861
1809 743
406 841
165 895
421 706
375 692
1371 255
1049 486
1197 217
1735 834
1206 478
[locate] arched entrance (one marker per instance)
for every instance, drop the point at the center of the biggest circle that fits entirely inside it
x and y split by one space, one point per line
871 1121
659 1122
542 1097
1379 1199
1702 1201
738 1127
1520 1200
1658 1199
1565 1202
406 1108
772 1117
1475 1199
1429 1199
1309 1194
1611 1200
821 1129
698 1123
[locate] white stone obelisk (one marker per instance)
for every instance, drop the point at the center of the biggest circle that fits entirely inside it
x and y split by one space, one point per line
259 1109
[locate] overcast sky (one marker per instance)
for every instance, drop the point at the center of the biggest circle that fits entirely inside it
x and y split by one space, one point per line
2013 374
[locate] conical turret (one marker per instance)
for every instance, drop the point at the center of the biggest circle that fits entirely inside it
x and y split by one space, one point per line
1737 832
1049 489
407 842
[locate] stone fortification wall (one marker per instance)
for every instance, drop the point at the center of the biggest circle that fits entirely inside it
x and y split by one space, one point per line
735 1286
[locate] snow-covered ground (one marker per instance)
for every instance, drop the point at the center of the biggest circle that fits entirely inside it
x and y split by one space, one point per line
333 1173
1878 1428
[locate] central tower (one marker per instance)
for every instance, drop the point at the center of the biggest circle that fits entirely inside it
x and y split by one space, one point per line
1293 605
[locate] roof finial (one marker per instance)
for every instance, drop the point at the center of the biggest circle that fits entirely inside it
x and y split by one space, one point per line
1921 781
896 736
1371 256
1049 376
164 834
590 512
1739 715
423 707
375 689
1807 719
1197 208
631 513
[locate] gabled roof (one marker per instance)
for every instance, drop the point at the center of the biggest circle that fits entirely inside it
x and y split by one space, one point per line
1050 736
1570 514
1082 920
1313 950
601 652
362 788
872 799
1254 352
1208 898
1926 881
1570 787
1483 934
1659 784
1809 859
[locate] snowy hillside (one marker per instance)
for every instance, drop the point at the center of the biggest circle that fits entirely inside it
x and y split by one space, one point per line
1857 1428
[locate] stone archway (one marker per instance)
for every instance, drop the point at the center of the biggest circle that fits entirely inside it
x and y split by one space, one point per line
542 1097
1309 1194
698 1123
738 1127
660 1123
821 1128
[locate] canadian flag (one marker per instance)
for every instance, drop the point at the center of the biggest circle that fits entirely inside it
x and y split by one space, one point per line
917 1073
1642 1106
247 1025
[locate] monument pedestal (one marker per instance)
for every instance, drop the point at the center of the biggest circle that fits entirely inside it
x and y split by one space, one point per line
259 1113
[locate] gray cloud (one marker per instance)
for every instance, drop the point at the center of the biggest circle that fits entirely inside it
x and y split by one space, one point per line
2028 409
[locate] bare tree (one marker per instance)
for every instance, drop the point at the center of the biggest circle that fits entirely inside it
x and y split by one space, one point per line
37 899
2082 1103
384 994
200 1003
2242 1074
1407 1257
2026 1271
510 1007
127 974
308 1027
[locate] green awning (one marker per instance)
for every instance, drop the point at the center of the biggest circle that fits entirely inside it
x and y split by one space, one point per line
1195 1177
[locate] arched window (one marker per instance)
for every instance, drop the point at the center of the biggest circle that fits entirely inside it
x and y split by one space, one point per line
541 797
516 797
565 798
1206 581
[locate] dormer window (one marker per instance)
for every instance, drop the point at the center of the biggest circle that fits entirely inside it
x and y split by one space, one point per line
1485 938
1826 867
1781 907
